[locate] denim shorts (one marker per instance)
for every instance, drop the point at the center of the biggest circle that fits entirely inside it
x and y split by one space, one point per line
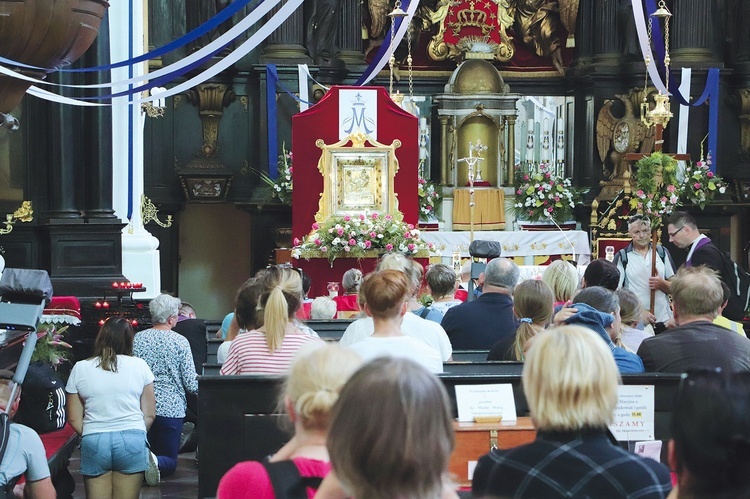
121 451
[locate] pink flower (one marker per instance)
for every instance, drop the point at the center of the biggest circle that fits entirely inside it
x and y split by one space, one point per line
323 249
318 242
389 246
290 170
368 244
518 192
526 177
388 217
410 246
347 218
361 216
346 248
545 202
429 208
550 209
531 212
373 235
296 241
340 231
670 188
546 175
557 198
411 226
639 193
374 216
710 174
315 226
697 185
422 181
352 242
407 235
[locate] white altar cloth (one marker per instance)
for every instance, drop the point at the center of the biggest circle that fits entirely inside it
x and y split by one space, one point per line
516 243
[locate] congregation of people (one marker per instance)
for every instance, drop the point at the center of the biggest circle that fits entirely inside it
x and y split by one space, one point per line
369 418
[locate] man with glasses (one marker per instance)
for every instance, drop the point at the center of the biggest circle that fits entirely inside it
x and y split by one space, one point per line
683 233
634 264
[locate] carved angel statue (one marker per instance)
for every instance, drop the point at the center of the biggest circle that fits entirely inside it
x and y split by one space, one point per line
616 137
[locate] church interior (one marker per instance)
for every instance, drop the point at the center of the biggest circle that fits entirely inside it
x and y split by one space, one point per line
181 147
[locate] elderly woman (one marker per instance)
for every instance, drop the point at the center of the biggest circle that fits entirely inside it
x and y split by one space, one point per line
310 392
346 304
169 357
570 380
110 403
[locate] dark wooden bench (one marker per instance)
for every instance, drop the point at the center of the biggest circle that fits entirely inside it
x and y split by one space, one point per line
329 330
212 347
470 355
486 367
211 369
243 416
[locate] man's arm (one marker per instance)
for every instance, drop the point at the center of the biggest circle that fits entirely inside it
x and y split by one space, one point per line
41 489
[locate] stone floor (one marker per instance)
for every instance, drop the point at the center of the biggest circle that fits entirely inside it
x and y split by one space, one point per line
182 485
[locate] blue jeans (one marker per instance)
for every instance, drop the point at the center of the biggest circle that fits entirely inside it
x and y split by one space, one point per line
121 451
164 439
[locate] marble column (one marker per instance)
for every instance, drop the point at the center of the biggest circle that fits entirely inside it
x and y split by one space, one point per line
350 32
511 153
286 43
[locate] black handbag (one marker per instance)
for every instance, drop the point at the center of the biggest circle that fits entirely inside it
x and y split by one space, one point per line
485 249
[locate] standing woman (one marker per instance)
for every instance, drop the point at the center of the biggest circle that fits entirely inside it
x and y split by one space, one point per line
270 348
168 355
111 405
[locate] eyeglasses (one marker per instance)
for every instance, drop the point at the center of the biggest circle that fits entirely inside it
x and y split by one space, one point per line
672 234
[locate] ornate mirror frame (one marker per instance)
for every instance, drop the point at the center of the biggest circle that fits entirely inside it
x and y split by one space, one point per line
357 179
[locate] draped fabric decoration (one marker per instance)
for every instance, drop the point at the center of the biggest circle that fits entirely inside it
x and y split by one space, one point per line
710 91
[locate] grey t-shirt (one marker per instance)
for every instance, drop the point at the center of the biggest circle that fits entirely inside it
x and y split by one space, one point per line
25 453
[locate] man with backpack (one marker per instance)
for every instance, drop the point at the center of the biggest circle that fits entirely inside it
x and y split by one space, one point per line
683 233
634 264
22 451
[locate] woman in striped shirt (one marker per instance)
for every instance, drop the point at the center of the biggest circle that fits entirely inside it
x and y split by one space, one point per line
270 348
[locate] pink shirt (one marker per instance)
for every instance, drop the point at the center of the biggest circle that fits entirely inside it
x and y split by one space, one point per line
249 479
249 354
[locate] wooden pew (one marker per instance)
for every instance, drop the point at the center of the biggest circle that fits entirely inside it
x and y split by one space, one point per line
470 355
486 367
212 347
211 369
242 419
329 330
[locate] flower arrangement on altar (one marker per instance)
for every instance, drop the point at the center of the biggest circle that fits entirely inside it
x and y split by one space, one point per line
360 235
428 198
542 195
50 347
282 186
701 184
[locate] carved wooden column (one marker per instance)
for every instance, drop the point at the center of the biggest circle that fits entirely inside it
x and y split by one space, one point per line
606 44
693 33
350 32
445 177
286 43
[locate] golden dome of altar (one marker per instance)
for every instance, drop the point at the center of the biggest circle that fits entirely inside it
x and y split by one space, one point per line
477 76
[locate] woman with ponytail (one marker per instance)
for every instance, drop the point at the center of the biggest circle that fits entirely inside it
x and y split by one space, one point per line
111 404
270 348
310 392
532 305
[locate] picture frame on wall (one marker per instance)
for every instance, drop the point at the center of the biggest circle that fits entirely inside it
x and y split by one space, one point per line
742 190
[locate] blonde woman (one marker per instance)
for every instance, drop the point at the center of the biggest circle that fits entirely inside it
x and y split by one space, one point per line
570 381
271 348
562 277
401 453
310 392
532 305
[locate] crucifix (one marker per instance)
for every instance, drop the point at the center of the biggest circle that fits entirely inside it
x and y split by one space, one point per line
475 175
658 117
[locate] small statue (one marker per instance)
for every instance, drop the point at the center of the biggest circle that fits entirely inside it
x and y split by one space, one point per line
322 30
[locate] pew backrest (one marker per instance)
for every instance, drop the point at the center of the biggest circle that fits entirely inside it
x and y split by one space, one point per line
329 330
470 355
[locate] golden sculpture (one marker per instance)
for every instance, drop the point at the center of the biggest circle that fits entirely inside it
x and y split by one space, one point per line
357 178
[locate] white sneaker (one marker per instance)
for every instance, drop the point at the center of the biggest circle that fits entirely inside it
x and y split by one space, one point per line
152 475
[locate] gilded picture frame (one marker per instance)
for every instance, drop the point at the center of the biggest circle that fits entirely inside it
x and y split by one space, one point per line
357 178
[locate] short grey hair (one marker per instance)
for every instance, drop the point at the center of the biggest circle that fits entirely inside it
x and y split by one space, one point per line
323 308
163 307
502 273
351 280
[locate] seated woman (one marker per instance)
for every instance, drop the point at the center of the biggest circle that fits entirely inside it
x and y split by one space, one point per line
310 391
442 285
246 316
570 382
532 304
631 313
111 403
563 278
270 348
601 272
710 446
386 294
346 304
401 453
598 309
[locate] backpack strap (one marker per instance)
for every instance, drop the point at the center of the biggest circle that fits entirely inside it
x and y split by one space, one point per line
425 312
622 257
286 481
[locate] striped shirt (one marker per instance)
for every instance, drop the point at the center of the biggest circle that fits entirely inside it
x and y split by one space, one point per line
249 353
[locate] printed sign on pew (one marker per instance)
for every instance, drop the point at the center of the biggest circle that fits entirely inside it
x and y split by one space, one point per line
485 403
634 414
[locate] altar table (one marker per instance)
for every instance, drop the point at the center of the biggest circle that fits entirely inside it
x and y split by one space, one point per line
488 210
528 245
